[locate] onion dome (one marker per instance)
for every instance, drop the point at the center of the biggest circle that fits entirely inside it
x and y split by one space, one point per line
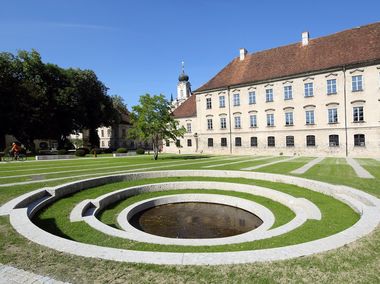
183 77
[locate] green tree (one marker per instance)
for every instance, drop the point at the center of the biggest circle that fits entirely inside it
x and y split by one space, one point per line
152 122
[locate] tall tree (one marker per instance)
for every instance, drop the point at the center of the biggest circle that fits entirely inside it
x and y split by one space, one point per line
152 122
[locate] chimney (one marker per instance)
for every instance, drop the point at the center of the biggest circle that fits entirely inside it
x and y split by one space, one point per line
243 53
305 38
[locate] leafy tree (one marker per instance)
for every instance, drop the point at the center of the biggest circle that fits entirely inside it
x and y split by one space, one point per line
152 122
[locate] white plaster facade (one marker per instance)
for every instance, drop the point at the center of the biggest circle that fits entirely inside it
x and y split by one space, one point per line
343 98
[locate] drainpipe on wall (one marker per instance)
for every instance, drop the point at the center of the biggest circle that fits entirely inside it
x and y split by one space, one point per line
229 117
345 108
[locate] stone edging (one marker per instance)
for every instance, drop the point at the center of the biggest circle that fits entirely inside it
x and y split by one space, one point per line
366 204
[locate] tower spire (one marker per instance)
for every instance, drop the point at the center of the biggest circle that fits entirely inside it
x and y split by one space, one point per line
183 67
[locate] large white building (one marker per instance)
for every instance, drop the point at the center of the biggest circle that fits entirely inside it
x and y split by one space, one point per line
316 97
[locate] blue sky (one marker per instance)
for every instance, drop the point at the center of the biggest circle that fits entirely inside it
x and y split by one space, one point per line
136 47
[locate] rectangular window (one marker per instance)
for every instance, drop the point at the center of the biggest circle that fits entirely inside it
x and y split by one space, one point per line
289 141
236 98
209 123
271 141
270 119
223 123
358 114
237 122
189 143
253 120
167 142
223 142
333 115
331 86
269 95
288 92
359 140
357 83
210 142
188 127
178 143
333 140
222 101
253 141
237 141
102 133
309 89
103 144
288 118
123 133
252 98
208 103
310 117
310 140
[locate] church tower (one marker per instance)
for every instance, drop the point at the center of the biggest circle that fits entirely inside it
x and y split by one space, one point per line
183 87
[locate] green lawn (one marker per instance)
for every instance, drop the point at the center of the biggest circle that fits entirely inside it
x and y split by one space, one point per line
358 262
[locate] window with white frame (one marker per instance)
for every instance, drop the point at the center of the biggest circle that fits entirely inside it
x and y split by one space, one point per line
223 142
237 141
310 140
271 141
309 90
252 98
253 141
222 101
359 140
289 118
331 86
167 143
253 120
102 133
333 140
237 122
208 103
357 83
269 95
188 127
210 142
288 92
270 119
189 143
309 116
358 113
103 144
236 98
223 123
333 115
209 123
289 141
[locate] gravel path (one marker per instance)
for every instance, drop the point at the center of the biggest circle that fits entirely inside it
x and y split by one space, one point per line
11 275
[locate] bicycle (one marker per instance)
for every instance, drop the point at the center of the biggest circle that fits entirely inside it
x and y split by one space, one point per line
10 157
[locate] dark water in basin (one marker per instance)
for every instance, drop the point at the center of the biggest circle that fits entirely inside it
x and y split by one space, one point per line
195 220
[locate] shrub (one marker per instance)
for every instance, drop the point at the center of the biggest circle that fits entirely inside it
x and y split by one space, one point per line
95 150
80 153
107 151
121 150
86 150
62 152
140 151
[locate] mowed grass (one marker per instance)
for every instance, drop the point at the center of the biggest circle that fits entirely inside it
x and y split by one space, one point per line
55 218
357 262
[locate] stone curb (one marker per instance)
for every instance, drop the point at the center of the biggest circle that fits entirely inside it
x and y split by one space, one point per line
369 220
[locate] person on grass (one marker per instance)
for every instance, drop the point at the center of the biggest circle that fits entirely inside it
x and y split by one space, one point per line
15 151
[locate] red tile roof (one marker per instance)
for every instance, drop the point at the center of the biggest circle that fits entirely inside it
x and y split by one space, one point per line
355 46
186 109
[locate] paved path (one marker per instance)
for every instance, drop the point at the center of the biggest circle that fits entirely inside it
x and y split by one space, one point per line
168 164
268 164
308 166
11 275
359 170
231 163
